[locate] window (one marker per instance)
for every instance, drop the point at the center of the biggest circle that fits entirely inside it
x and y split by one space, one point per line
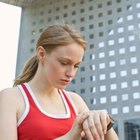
111 42
100 24
100 15
92 67
137 108
124 85
101 44
129 7
102 88
123 73
91 8
82 91
121 40
119 10
130 27
109 12
120 30
91 26
114 98
93 101
120 20
113 86
114 111
102 77
110 21
131 37
103 100
112 64
135 83
82 28
73 81
82 79
130 17
101 55
132 48
122 62
92 56
93 89
110 32
82 68
102 66
93 78
113 75
109 3
100 5
125 109
138 5
134 71
125 97
111 53
133 59
136 95
82 10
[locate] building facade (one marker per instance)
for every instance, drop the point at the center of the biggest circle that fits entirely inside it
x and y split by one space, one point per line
109 77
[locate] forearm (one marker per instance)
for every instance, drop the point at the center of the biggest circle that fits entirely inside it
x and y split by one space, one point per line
63 138
111 135
68 137
73 134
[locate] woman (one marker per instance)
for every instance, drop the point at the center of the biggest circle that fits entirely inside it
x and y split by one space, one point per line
38 107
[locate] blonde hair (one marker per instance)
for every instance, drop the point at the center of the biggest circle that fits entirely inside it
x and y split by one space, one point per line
52 37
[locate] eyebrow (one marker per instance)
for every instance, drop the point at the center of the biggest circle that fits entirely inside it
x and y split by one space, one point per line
67 59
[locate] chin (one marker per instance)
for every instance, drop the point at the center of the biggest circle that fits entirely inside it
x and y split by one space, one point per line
62 87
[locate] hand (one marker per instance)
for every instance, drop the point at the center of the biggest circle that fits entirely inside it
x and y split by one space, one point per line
95 126
75 132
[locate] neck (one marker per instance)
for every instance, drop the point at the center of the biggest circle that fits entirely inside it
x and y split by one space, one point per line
42 88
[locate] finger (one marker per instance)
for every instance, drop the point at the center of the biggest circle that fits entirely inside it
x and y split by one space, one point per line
81 118
98 125
82 134
104 121
92 127
87 130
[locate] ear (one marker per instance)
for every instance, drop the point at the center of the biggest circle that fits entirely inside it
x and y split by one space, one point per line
41 53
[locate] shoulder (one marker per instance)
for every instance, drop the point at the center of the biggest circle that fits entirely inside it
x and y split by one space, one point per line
9 92
9 96
78 101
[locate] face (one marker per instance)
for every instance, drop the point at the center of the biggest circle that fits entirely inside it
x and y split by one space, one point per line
61 65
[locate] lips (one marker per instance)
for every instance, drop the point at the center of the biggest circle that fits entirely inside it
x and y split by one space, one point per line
66 81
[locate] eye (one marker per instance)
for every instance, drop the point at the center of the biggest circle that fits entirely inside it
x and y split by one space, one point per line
63 63
76 66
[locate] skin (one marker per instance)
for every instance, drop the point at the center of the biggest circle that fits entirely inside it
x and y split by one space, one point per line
55 71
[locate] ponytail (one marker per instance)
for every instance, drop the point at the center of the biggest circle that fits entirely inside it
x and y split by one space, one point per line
51 38
28 71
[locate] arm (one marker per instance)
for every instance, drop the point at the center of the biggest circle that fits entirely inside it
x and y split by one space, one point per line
82 107
75 132
111 135
8 122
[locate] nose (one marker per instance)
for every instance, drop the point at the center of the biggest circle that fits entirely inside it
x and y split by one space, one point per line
70 72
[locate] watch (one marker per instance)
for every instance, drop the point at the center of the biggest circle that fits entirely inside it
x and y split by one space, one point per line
111 123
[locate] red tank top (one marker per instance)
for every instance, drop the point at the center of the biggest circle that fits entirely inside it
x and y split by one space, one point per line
37 125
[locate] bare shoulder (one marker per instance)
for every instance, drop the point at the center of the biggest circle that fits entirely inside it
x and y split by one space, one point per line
78 101
9 92
74 95
10 96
